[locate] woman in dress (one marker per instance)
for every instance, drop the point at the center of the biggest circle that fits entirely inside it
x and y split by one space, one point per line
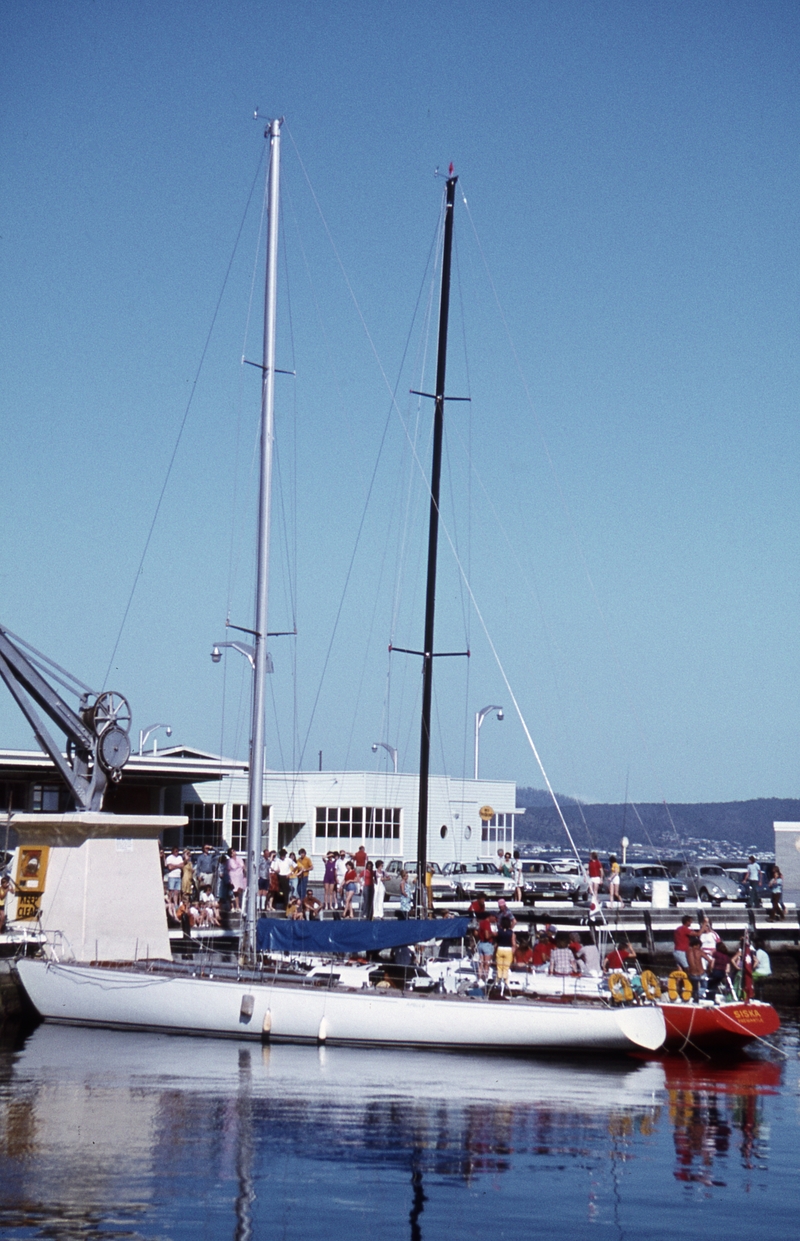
406 894
379 892
236 877
329 882
187 875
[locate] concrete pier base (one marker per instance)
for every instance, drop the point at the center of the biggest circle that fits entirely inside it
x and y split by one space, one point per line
94 883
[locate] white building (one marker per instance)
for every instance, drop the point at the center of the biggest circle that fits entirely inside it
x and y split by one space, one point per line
313 810
319 811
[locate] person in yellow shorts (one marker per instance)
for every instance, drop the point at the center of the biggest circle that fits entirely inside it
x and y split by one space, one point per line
505 941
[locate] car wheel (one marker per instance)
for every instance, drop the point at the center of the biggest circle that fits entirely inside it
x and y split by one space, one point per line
637 896
460 893
704 896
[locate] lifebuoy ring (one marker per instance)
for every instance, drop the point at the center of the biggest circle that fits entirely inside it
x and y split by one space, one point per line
620 988
650 985
679 987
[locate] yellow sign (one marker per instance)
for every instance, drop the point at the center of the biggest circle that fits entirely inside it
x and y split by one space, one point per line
31 874
486 813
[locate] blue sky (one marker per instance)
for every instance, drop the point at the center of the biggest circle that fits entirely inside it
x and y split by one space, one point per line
622 487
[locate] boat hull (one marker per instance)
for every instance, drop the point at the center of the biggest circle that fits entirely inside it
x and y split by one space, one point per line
136 1000
717 1027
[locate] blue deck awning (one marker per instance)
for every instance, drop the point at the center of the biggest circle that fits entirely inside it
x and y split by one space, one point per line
281 935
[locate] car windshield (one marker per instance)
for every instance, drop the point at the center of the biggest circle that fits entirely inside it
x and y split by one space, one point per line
653 872
711 870
537 868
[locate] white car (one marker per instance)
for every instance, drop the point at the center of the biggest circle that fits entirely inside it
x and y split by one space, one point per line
478 879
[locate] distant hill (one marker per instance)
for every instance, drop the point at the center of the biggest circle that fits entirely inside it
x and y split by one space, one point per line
741 824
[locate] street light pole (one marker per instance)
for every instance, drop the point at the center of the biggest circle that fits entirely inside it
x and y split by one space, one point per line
144 733
390 750
480 716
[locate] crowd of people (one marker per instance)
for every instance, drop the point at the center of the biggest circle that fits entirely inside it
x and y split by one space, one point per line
497 941
198 890
700 952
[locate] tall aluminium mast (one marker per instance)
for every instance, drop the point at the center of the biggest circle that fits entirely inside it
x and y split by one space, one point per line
256 781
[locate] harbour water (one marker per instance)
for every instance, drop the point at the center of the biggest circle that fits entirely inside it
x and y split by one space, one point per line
110 1135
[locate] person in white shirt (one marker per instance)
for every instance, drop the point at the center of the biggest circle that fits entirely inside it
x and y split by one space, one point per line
517 870
341 870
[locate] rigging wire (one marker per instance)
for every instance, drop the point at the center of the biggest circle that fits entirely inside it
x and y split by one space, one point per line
565 506
184 420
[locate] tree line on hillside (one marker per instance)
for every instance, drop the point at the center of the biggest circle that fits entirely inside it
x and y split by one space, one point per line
597 826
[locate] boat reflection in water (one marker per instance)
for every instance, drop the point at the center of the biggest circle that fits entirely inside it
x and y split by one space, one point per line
158 1136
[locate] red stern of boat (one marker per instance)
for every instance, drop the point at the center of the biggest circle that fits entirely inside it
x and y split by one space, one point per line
721 1027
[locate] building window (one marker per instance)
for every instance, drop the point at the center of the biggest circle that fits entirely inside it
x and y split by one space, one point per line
499 830
204 826
46 798
359 823
239 825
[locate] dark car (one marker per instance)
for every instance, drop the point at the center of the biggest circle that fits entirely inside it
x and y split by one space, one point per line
541 882
763 892
636 882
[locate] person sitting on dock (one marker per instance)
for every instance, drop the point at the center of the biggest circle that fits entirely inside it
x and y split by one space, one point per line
680 941
311 907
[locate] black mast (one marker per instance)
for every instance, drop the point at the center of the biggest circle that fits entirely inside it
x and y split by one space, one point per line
433 541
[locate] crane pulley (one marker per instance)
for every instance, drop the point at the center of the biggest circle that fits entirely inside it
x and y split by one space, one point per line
98 741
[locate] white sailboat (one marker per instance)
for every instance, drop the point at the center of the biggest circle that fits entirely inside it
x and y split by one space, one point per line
248 1003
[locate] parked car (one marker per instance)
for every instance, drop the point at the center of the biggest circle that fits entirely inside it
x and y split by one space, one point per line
444 889
739 875
636 882
540 882
708 882
478 879
574 872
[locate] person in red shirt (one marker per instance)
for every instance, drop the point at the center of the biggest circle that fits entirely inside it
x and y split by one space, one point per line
595 875
541 952
523 954
361 857
619 958
680 941
485 945
350 889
